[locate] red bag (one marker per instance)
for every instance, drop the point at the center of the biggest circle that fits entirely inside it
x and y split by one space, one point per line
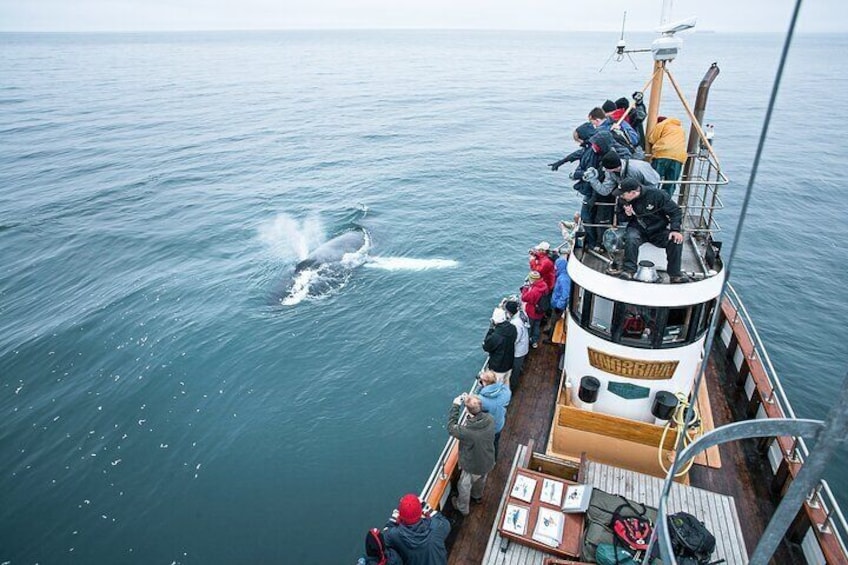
632 532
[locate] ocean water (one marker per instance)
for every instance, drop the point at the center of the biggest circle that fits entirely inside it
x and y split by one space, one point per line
160 404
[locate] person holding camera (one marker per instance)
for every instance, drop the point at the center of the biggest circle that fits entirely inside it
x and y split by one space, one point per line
476 437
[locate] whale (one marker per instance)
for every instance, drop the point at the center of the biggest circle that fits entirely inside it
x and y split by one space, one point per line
327 268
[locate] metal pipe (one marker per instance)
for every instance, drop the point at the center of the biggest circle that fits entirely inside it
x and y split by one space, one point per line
700 106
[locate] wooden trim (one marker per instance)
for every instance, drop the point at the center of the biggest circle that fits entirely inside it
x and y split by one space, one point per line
613 426
434 497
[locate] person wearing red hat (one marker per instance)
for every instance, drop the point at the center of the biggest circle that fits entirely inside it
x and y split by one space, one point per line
418 539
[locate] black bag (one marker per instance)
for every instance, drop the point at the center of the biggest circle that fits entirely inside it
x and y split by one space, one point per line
544 304
691 541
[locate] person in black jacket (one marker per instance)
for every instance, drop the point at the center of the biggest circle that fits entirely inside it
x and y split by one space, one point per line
499 343
650 215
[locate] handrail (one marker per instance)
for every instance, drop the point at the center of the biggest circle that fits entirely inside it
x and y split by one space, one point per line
823 495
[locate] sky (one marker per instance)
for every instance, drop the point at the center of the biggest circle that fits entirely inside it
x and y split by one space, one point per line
558 15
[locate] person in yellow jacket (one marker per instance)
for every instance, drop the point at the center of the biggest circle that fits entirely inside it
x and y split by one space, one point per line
668 147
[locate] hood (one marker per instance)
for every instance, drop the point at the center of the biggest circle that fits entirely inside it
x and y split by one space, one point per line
415 535
585 131
495 390
672 121
561 265
604 140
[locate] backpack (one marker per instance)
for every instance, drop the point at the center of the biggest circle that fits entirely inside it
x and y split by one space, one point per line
544 303
691 541
631 532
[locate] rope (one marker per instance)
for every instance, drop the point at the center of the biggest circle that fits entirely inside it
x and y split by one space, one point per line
690 431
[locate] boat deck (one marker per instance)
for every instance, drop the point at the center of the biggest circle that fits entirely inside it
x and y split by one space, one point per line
690 259
717 511
529 417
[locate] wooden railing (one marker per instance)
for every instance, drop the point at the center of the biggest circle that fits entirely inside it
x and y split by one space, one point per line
821 513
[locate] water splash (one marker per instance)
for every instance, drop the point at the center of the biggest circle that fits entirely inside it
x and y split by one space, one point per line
290 238
410 264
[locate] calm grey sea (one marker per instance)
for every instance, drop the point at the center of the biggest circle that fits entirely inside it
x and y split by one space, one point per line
159 406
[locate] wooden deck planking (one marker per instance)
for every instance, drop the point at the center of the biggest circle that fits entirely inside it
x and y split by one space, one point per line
715 510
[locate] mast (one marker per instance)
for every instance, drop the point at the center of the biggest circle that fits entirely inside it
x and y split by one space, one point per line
663 50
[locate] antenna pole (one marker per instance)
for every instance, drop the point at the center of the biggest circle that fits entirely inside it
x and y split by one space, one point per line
654 102
665 17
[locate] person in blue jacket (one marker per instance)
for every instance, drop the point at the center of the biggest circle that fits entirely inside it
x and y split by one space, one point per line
495 397
562 287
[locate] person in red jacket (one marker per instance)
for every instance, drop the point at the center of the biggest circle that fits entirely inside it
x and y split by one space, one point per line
541 263
531 294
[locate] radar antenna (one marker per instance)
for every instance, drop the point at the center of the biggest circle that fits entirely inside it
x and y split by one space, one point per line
621 49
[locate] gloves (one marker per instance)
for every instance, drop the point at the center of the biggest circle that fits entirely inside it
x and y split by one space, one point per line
576 174
590 174
556 165
459 400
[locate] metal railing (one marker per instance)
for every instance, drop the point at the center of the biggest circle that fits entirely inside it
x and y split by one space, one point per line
698 198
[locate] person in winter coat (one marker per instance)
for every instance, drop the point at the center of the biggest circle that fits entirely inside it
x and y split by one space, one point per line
616 170
476 450
609 122
541 262
376 552
650 215
587 157
494 397
499 343
562 287
531 294
418 539
522 342
602 142
668 146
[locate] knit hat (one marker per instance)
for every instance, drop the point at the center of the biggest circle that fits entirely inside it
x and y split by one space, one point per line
609 106
511 307
409 510
622 103
626 186
543 246
534 275
499 315
611 160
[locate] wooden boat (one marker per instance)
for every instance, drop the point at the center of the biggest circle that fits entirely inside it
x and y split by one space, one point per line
703 347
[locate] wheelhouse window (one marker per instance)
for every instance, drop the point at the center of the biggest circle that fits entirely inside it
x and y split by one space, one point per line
601 318
577 301
677 325
636 325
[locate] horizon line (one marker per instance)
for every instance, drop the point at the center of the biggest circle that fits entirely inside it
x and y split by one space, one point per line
308 29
